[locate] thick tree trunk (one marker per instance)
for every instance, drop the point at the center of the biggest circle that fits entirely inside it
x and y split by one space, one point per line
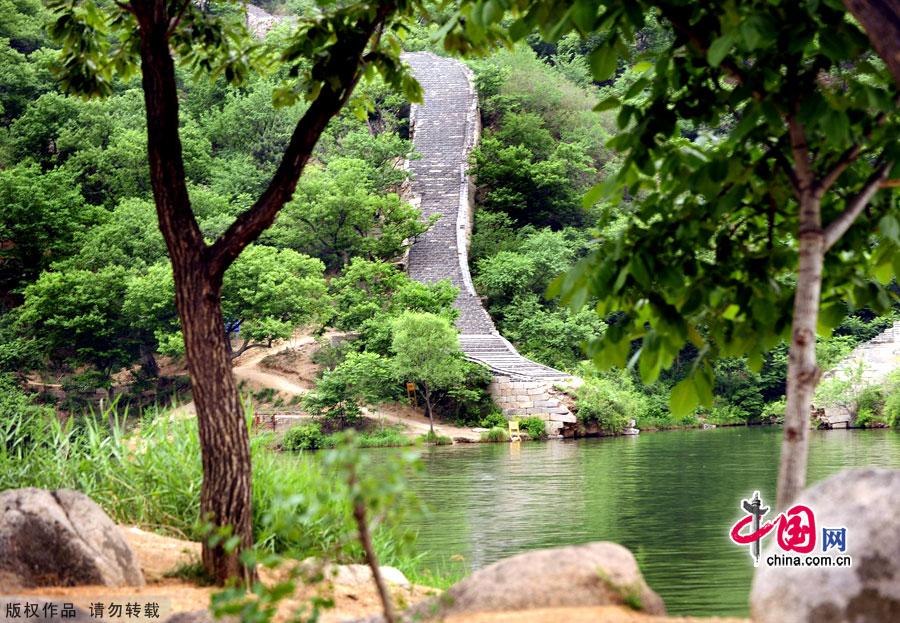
224 442
803 373
225 498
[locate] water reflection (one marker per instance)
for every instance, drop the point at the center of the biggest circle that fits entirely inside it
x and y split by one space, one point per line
669 497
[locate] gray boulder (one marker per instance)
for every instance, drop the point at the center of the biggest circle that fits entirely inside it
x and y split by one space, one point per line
866 502
61 538
594 574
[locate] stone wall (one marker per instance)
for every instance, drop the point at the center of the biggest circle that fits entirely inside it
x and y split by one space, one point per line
532 399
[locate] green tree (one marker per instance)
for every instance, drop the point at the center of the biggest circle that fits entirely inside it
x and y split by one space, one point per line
361 379
427 353
324 57
77 314
792 122
40 219
338 213
266 295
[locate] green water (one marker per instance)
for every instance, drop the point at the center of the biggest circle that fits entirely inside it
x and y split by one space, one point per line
669 497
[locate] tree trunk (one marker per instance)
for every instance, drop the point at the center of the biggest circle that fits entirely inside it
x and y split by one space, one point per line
427 394
803 373
149 366
224 441
225 497
365 537
881 21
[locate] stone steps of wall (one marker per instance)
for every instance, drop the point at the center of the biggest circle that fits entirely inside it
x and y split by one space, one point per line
444 130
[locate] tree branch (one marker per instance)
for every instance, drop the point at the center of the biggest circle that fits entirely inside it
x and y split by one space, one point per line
173 208
839 226
251 223
846 159
177 19
881 21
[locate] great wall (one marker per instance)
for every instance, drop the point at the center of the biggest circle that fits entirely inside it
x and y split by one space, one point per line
444 129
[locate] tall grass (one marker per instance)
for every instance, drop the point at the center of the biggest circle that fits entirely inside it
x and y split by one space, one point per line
152 477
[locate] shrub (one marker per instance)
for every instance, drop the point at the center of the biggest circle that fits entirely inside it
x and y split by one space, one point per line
387 437
892 410
495 435
774 411
608 402
304 437
494 419
361 378
438 440
534 426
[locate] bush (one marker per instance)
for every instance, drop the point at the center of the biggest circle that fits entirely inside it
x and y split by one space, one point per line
438 440
495 435
361 378
534 426
609 402
494 419
892 410
773 412
304 437
387 437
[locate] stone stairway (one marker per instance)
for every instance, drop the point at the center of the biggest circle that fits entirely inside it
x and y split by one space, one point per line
444 130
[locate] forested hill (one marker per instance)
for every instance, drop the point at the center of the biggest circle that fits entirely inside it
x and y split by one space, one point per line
86 292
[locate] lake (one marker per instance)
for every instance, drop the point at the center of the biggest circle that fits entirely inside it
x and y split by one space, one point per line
670 497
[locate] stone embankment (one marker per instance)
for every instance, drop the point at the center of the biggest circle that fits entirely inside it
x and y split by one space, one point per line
870 363
444 129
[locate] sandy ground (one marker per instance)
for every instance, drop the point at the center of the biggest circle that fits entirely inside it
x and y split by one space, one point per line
416 423
159 555
603 614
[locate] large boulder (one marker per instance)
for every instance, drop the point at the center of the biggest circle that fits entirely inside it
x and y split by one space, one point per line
594 574
61 538
866 502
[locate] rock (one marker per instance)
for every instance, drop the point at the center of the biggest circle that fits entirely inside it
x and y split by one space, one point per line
61 538
594 574
350 575
865 501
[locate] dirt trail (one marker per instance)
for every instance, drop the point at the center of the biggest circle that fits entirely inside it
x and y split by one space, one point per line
416 423
249 368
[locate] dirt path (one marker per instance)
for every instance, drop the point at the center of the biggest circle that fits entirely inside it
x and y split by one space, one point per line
416 423
248 366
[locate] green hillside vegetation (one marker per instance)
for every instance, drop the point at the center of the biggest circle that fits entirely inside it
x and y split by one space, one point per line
86 289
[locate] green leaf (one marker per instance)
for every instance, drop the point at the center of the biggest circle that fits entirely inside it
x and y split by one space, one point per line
603 62
683 399
836 127
890 228
720 48
607 104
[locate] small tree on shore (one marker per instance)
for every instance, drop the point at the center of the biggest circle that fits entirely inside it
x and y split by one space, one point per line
427 353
